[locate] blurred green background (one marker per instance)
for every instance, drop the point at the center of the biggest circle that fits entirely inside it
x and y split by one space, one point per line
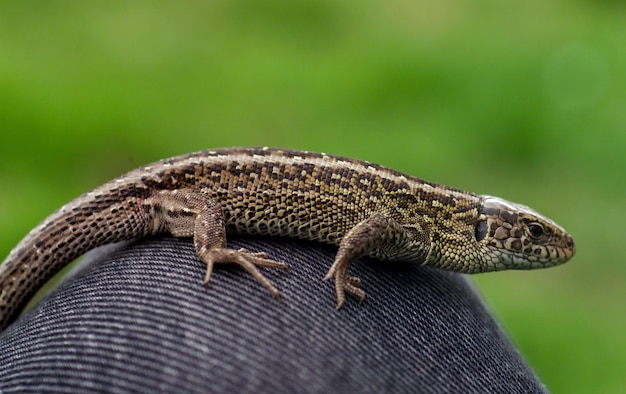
524 100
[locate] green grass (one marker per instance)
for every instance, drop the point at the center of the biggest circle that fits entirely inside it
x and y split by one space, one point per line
524 101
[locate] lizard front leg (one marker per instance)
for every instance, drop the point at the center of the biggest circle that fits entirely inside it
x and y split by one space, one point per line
191 213
379 235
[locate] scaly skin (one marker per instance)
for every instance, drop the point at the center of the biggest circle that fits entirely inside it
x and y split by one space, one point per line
364 208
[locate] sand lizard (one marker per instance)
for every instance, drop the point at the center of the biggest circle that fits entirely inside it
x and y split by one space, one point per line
363 208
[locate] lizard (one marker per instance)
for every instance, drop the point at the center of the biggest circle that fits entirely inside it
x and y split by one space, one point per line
361 207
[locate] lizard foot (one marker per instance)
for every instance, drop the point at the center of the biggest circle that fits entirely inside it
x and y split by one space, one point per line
344 282
247 260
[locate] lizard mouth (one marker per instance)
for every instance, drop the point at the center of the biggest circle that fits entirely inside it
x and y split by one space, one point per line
544 256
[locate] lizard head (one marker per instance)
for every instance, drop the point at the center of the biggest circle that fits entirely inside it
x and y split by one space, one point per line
516 237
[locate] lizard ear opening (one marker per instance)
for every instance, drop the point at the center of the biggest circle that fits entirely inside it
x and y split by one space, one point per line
480 232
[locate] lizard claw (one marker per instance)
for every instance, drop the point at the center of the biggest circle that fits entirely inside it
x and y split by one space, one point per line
344 282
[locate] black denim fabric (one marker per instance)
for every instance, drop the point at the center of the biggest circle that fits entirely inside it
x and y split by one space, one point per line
138 319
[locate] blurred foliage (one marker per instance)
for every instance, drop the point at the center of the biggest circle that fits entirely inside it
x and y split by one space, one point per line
524 100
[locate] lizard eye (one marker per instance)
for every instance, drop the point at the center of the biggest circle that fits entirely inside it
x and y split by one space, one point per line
480 232
535 230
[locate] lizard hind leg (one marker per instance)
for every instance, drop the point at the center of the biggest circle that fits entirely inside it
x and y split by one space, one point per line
191 213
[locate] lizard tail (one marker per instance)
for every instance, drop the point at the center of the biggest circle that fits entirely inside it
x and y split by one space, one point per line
81 225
